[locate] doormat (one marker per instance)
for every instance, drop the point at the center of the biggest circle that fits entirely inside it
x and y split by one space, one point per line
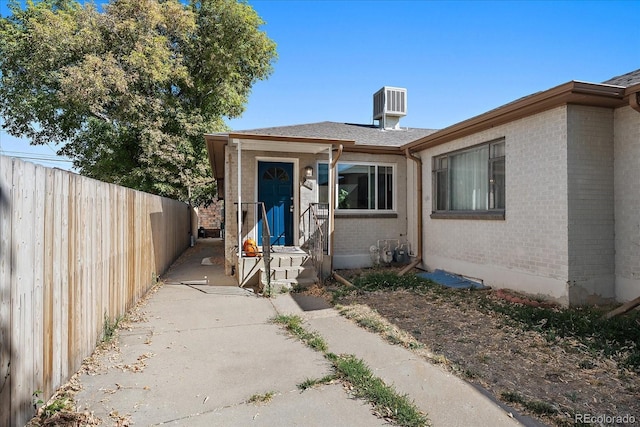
451 280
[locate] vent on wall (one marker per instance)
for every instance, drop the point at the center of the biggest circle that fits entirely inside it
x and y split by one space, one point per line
389 104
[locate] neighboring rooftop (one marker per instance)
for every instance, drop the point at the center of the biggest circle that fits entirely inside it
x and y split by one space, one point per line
365 135
625 80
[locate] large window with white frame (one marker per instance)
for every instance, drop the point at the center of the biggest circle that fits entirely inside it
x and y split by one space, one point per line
361 186
470 180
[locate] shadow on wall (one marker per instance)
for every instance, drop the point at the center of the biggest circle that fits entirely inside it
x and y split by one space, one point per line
5 337
169 221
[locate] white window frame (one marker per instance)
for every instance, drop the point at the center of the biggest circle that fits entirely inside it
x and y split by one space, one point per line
394 189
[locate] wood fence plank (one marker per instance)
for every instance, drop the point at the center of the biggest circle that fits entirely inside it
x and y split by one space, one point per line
47 285
37 266
22 315
71 250
61 272
6 270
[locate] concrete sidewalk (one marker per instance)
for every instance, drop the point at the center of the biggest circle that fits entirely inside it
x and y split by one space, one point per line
203 351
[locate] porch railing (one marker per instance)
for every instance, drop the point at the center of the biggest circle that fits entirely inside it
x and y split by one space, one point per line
317 242
253 233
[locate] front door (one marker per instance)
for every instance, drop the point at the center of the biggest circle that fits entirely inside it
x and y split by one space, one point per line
275 189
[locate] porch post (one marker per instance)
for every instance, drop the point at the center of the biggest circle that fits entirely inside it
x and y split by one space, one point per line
332 194
239 187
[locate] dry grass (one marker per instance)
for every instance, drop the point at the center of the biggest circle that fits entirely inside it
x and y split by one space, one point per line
553 377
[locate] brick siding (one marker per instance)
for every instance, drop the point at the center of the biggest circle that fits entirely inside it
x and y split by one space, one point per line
627 203
591 204
528 250
210 217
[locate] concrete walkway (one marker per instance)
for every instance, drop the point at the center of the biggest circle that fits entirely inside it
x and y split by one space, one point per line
202 351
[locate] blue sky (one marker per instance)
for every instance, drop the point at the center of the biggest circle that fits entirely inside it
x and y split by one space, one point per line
457 59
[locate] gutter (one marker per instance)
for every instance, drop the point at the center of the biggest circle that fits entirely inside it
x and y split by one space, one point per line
633 92
573 92
418 259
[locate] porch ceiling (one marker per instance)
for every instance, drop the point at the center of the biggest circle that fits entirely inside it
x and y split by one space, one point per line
283 147
286 144
274 143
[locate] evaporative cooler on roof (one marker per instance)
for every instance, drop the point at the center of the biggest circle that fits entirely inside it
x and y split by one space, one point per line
389 104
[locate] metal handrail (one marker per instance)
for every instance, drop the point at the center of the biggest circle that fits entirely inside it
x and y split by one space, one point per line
266 249
316 240
266 236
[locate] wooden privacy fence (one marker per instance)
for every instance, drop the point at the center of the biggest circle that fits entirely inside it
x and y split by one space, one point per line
72 251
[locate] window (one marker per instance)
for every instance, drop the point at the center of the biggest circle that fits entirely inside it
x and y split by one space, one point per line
470 180
360 186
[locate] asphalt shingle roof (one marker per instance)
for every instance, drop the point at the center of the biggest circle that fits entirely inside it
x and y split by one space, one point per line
625 80
372 135
367 135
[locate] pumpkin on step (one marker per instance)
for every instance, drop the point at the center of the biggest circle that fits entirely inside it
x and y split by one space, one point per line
250 247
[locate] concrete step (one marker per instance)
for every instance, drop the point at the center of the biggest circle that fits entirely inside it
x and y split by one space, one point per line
284 273
280 260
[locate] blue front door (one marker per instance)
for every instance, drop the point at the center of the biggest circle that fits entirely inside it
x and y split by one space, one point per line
275 189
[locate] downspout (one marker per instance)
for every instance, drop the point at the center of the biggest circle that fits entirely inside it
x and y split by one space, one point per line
634 101
340 148
418 259
332 210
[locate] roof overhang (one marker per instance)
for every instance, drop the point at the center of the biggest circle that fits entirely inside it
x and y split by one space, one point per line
574 92
256 142
632 94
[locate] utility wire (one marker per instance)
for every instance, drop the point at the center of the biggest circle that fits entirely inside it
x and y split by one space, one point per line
34 156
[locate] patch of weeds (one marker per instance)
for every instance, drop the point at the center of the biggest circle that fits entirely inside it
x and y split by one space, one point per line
57 405
416 345
572 396
440 359
312 382
294 325
386 280
338 293
59 411
618 337
36 399
372 321
535 406
539 407
285 290
586 364
371 324
484 358
386 402
470 373
512 397
109 327
262 398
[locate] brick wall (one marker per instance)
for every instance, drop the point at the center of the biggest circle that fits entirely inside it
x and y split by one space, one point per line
627 203
591 204
210 217
354 235
528 250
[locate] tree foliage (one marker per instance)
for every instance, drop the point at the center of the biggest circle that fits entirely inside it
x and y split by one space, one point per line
128 91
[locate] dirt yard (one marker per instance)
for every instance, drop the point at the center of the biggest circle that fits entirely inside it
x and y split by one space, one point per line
556 380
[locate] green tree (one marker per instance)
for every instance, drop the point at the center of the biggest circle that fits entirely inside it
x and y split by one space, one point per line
128 91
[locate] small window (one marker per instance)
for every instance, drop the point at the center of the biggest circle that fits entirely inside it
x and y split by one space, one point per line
360 186
470 180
